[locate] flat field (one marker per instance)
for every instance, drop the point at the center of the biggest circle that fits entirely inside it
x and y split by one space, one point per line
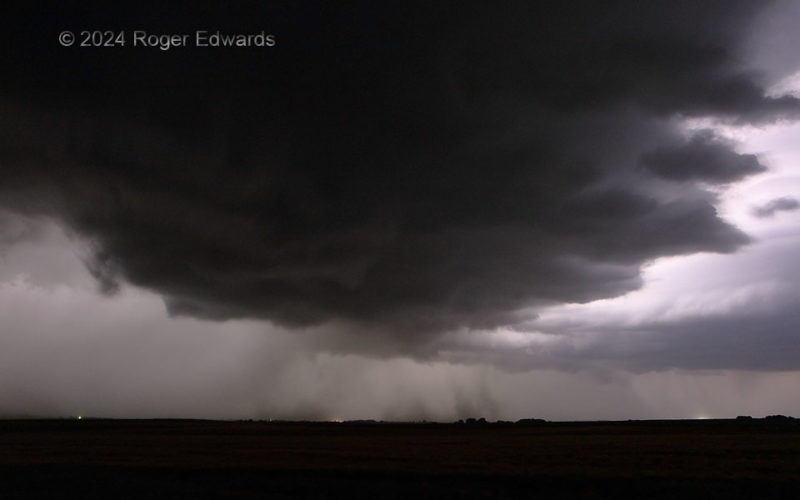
208 459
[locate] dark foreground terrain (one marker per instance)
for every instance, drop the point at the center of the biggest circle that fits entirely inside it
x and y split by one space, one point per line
201 459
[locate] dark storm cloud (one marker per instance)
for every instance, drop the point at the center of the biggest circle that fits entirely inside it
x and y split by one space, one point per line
770 208
404 167
740 341
702 158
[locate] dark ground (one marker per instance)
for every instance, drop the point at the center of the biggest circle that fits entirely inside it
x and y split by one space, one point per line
197 459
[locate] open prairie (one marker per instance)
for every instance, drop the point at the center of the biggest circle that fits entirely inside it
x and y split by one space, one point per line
188 458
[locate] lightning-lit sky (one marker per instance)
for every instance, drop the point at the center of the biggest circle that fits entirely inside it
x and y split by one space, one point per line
415 211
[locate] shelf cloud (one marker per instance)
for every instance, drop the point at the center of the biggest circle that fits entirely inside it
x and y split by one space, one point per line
408 169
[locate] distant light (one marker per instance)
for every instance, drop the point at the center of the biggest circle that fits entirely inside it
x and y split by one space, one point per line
80 417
